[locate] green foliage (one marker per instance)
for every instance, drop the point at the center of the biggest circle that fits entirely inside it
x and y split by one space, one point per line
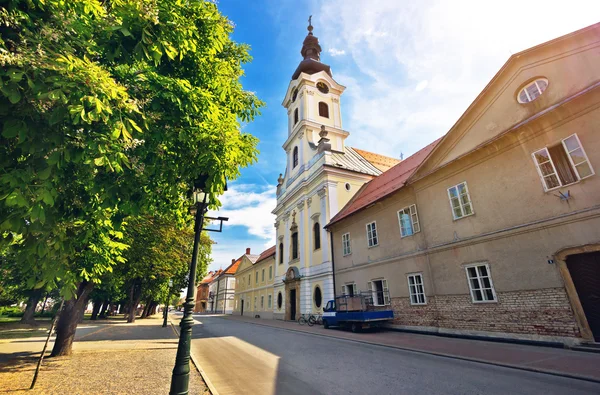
111 109
11 311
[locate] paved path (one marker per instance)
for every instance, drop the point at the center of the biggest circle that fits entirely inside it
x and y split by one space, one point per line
242 358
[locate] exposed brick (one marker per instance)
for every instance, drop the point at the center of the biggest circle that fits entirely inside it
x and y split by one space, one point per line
537 312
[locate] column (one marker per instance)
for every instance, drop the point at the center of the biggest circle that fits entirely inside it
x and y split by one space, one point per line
301 148
333 199
323 220
286 240
310 104
309 216
337 113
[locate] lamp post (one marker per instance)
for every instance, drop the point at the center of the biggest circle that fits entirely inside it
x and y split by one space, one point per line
181 371
166 311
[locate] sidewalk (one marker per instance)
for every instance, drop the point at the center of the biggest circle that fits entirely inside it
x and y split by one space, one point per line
109 357
557 361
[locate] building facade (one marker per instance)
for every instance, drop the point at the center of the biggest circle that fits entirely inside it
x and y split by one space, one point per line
322 174
494 229
202 293
254 292
222 287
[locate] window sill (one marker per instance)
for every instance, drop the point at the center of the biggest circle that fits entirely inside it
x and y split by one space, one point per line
373 246
296 260
418 304
347 254
484 301
464 216
568 185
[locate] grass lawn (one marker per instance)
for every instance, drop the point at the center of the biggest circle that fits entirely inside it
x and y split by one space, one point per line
11 328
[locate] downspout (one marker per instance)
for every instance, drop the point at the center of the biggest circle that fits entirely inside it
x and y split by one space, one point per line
332 262
225 296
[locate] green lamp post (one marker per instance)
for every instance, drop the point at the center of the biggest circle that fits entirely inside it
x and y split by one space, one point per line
166 311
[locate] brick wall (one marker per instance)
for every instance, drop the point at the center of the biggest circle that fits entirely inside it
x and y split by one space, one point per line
545 312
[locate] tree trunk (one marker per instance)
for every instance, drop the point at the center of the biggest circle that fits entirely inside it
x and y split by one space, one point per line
146 309
44 305
153 310
134 300
96 310
104 307
82 312
32 302
68 320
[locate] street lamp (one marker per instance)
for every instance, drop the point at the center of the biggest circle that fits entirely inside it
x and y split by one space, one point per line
181 371
166 311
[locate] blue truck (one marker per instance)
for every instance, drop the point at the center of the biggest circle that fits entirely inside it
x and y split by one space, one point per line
356 312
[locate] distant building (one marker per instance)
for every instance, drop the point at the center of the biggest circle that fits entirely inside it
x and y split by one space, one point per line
254 285
222 287
494 229
202 292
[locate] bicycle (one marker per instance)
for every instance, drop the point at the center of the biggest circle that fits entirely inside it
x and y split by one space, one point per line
302 319
315 319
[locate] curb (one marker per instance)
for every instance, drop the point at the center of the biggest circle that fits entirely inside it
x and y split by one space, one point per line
209 384
439 354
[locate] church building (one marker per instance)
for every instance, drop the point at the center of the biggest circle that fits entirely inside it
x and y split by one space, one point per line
321 176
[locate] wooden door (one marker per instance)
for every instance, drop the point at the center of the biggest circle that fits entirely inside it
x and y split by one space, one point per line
585 272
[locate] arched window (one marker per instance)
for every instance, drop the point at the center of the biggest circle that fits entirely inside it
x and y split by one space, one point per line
317 235
294 95
295 116
279 300
280 252
323 109
295 158
295 245
318 297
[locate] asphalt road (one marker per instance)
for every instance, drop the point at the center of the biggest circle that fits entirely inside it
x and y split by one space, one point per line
242 358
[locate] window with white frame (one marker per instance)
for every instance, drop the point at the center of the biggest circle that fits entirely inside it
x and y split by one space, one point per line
270 272
256 277
409 221
416 289
532 91
480 283
346 250
562 164
269 301
460 201
262 302
249 277
349 289
263 276
379 291
372 234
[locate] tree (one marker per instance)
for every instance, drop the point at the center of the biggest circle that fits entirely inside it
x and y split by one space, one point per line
111 109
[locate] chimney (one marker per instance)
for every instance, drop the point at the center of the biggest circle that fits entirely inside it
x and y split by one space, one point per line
233 261
248 251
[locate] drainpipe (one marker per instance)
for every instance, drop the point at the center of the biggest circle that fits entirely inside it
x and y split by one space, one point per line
225 296
332 263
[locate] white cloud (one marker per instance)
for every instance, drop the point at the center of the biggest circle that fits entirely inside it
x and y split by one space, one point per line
452 49
336 52
250 206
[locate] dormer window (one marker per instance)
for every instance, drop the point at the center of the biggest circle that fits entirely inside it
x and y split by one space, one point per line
323 109
533 90
295 116
295 158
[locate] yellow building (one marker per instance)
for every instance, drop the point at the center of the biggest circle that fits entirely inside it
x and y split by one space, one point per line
493 230
322 175
254 278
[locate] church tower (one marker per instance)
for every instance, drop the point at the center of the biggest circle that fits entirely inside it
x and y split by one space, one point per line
321 176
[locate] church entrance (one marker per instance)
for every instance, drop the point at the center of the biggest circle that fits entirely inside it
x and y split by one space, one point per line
292 291
293 304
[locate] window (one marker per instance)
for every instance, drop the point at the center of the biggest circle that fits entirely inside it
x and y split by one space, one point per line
562 164
318 297
349 289
295 158
372 234
295 116
348 186
416 290
346 244
294 95
322 87
255 303
295 245
263 276
379 291
256 277
409 221
280 253
270 272
323 109
532 91
460 201
269 300
279 300
249 277
317 235
262 302
480 283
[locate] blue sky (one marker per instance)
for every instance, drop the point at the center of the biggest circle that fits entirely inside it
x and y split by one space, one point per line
411 69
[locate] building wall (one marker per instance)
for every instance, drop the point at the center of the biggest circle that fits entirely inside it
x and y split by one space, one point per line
248 291
516 229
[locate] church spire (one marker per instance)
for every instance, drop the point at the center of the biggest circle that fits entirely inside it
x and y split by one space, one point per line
310 47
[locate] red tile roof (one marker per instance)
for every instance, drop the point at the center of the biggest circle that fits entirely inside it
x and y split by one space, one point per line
381 162
210 276
233 267
385 184
266 254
